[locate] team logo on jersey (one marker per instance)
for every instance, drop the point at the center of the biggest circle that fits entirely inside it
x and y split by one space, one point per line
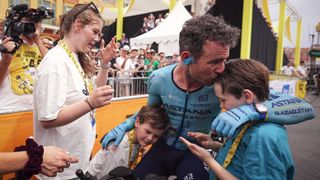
203 98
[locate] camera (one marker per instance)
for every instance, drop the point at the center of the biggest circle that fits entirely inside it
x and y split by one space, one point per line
14 28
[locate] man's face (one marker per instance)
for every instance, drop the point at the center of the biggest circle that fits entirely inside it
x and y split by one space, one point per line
227 100
145 134
211 63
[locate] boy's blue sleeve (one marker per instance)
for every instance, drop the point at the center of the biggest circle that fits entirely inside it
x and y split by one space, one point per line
286 109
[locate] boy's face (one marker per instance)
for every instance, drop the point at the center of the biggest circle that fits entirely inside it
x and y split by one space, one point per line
145 134
227 101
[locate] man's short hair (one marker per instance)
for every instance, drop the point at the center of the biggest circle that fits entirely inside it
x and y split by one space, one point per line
207 27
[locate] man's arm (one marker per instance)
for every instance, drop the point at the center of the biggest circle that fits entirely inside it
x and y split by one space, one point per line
36 38
6 58
43 49
282 109
286 109
4 66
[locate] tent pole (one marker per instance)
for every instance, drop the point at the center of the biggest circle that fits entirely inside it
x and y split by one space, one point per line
119 19
246 29
297 48
282 14
172 5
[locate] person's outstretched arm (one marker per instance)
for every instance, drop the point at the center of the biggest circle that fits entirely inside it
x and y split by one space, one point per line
117 133
12 161
285 109
282 109
205 156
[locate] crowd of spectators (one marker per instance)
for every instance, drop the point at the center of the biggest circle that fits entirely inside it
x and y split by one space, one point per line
150 22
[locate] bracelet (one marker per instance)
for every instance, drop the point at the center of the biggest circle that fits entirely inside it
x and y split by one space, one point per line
87 101
105 66
35 153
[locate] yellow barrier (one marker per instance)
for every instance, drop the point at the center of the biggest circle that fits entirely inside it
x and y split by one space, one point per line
301 88
16 127
301 85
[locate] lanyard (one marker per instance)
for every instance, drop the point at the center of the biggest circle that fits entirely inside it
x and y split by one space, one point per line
78 66
85 91
134 153
235 144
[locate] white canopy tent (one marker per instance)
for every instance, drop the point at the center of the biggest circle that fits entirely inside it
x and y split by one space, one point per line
166 34
140 7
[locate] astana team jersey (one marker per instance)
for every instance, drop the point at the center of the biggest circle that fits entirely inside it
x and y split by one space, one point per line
188 111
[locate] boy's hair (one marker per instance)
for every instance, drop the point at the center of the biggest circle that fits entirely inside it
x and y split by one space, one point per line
156 116
245 74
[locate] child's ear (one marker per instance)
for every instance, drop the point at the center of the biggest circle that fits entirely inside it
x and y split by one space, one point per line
248 96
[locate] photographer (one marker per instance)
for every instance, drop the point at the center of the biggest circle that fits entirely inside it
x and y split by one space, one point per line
22 51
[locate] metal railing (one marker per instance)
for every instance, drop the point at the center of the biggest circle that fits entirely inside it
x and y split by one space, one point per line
128 86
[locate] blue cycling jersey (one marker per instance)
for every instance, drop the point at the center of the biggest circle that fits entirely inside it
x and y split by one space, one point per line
188 111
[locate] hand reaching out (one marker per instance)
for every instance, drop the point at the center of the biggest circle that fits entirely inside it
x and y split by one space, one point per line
55 160
200 152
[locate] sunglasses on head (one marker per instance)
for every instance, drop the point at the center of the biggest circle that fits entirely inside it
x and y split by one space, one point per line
90 5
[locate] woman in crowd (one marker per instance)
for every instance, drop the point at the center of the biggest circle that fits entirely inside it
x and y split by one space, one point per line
64 95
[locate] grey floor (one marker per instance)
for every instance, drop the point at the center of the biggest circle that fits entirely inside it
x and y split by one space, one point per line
304 139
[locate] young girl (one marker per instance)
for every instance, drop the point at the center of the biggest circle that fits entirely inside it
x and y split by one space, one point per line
64 99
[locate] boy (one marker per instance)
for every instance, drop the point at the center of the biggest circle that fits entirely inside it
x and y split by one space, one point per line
256 150
151 123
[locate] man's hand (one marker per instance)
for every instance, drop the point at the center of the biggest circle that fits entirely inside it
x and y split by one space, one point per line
9 46
116 134
226 123
55 160
205 140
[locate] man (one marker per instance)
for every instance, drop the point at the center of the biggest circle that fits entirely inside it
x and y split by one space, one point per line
185 91
302 70
17 70
289 69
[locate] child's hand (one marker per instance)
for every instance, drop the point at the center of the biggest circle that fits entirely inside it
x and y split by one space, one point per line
198 151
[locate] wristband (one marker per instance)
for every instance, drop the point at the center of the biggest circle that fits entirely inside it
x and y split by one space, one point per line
35 153
87 101
105 66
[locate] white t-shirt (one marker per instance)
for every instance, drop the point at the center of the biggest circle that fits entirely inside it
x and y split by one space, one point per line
58 83
17 87
106 160
287 70
302 71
